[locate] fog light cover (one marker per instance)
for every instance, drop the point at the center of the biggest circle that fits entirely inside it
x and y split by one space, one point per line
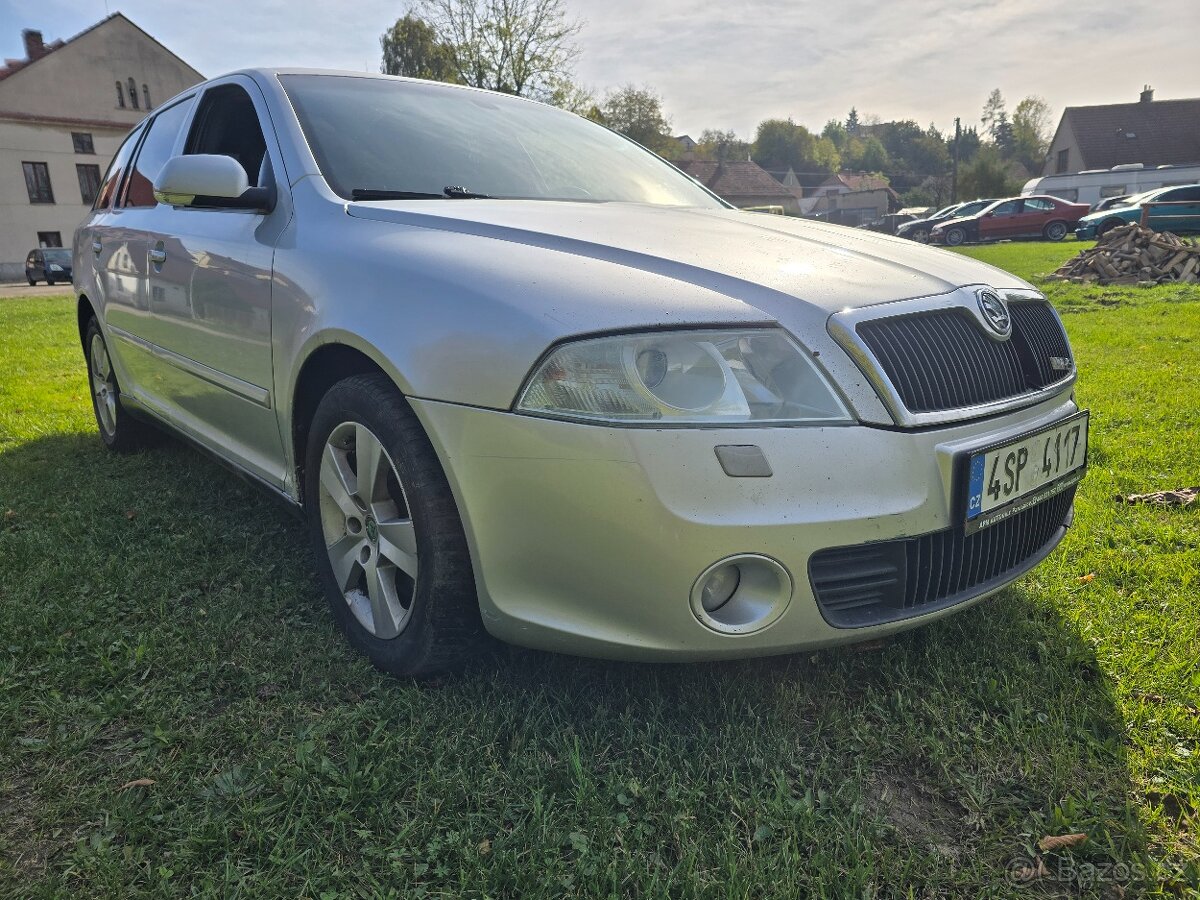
741 594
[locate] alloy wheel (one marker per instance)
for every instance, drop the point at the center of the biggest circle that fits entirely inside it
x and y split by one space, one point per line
368 529
104 384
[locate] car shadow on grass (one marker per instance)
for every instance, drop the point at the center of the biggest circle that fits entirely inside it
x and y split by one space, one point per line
163 620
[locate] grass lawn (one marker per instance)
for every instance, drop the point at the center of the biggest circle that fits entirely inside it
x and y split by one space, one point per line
160 620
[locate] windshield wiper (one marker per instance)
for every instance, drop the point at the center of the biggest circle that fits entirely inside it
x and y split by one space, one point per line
454 192
374 194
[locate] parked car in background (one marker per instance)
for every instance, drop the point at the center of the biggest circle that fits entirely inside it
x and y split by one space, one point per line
522 376
889 223
1178 220
918 229
49 264
1017 217
1110 202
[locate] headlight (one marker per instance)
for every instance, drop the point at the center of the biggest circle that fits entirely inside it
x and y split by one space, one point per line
719 377
55 267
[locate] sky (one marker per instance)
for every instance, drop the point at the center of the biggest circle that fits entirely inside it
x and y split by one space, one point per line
731 63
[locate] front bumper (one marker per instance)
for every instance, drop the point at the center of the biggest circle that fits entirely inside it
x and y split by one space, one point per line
1085 232
589 539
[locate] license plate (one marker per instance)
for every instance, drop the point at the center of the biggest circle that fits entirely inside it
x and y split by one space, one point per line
1007 478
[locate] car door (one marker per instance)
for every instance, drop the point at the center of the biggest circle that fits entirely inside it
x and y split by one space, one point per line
1001 221
209 288
121 243
1176 218
1035 215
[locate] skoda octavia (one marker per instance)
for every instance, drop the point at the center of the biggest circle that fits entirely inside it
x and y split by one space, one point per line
525 378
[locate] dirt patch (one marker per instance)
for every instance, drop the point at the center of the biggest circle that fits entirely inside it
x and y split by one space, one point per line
25 846
921 816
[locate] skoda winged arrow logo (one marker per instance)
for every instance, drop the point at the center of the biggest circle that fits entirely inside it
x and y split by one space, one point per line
995 311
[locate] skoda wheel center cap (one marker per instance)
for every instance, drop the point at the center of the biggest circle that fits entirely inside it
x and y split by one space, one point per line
372 530
994 311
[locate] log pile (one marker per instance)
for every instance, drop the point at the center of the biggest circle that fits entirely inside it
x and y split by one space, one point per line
1133 254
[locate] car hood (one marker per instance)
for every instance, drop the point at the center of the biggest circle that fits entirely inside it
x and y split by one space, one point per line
728 251
1115 212
958 220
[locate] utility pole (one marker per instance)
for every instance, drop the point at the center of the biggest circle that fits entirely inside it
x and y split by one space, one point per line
954 173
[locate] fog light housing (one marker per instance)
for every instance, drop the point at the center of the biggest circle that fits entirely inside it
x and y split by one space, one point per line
741 594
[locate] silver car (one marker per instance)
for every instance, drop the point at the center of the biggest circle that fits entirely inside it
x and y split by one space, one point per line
526 379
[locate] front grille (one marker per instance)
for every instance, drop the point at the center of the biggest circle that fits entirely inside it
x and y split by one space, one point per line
942 359
888 580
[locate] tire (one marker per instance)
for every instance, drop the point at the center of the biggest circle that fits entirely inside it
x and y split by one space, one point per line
119 431
1055 231
920 235
1106 226
956 237
50 282
32 281
410 613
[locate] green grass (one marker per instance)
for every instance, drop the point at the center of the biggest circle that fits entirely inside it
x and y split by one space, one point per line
161 620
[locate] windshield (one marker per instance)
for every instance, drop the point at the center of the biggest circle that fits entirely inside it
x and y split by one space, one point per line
57 255
377 136
942 213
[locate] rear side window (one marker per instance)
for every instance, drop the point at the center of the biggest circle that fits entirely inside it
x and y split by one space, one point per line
116 168
1037 204
156 150
227 125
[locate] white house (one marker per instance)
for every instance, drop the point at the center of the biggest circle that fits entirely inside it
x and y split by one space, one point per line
64 110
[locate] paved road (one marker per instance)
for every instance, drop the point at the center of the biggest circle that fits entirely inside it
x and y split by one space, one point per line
21 289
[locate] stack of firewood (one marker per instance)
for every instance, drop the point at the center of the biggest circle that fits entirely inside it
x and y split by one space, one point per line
1132 254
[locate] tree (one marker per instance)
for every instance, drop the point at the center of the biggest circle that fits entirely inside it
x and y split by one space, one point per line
637 113
411 48
1002 134
522 47
781 144
1031 132
852 123
987 176
873 156
722 145
993 109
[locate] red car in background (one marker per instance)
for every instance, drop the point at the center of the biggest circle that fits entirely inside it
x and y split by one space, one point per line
1017 217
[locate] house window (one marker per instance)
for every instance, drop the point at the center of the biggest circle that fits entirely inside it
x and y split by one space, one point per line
133 100
89 182
1063 162
49 239
37 182
120 96
146 94
83 142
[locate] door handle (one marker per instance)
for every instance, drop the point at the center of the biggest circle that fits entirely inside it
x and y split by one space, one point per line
96 246
158 256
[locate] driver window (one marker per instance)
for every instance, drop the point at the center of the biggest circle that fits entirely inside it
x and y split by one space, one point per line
1011 208
227 125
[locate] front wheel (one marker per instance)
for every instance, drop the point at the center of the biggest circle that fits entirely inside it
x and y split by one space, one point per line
1055 231
1106 227
32 281
383 523
956 237
50 281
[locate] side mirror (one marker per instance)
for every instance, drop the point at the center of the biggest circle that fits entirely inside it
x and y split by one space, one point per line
209 181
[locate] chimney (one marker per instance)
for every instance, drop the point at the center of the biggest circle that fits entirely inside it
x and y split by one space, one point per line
35 48
1147 94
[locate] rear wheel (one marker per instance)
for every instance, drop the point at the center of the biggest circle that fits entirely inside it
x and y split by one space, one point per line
956 236
389 542
1055 231
119 430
